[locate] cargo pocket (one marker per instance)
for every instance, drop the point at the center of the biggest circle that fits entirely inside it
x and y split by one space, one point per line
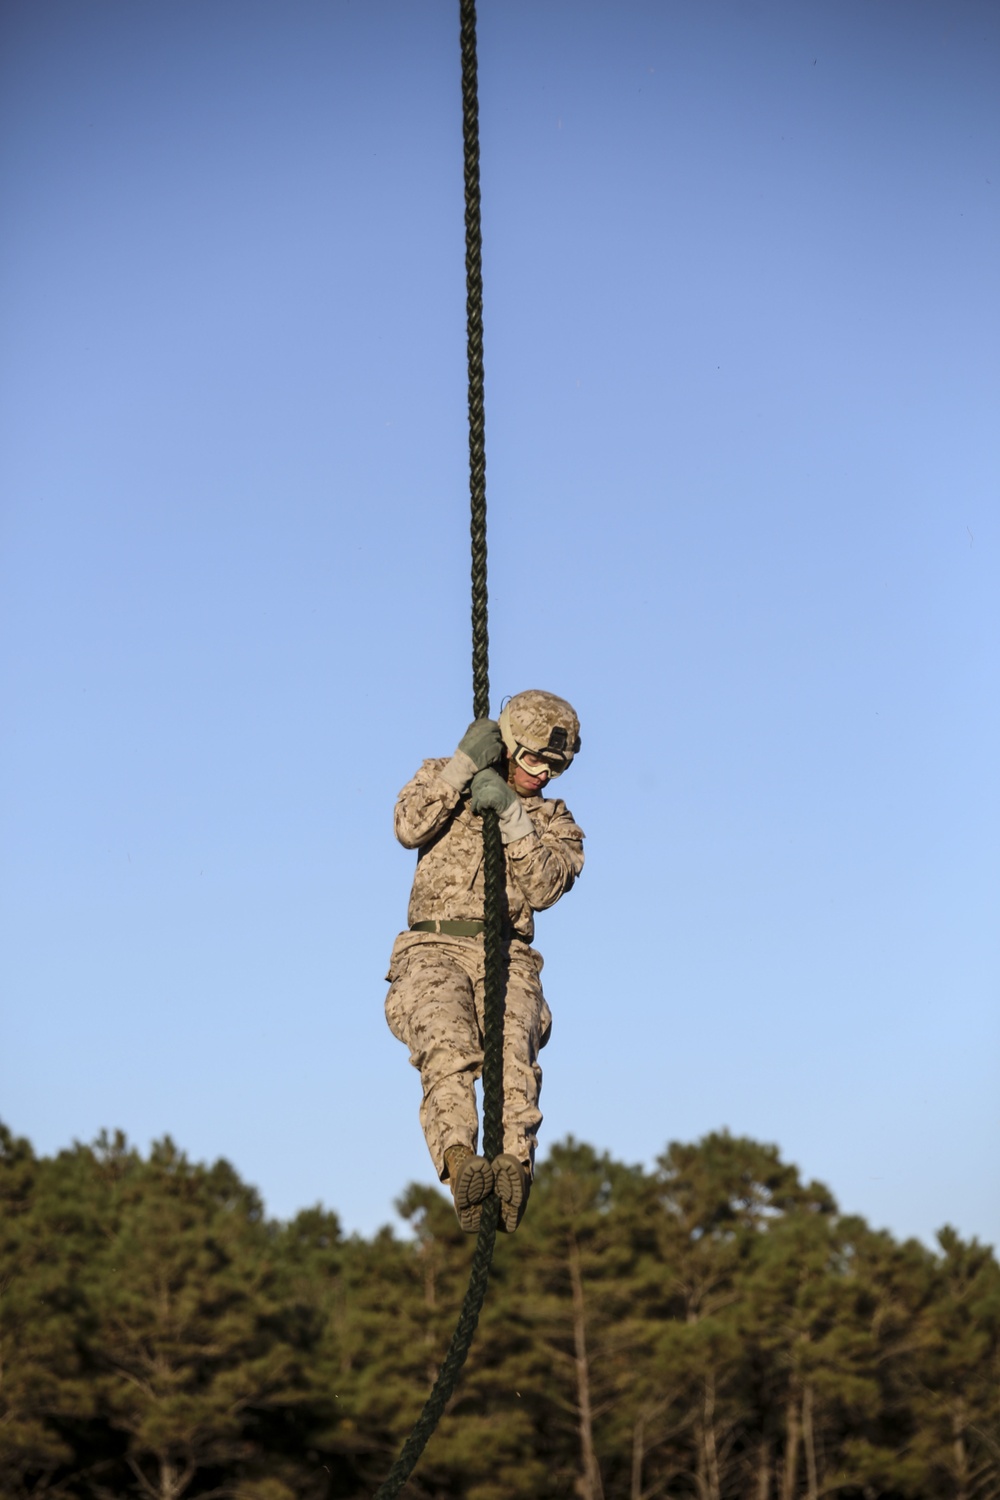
395 1001
544 1023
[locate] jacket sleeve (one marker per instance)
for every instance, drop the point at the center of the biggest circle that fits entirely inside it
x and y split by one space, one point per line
425 805
546 863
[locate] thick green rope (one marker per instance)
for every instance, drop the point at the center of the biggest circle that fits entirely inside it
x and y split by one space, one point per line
494 863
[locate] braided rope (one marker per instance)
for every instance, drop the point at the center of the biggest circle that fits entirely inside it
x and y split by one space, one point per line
474 327
494 862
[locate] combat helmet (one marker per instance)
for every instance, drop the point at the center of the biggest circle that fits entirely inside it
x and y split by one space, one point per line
541 726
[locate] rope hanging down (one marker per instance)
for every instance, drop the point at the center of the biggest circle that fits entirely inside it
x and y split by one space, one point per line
494 863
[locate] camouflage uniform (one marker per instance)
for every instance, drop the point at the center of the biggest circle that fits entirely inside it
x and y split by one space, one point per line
435 1000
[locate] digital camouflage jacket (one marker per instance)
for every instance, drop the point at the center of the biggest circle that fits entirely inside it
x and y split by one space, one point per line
437 821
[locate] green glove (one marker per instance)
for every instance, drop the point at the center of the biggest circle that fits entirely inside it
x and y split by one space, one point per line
482 743
490 790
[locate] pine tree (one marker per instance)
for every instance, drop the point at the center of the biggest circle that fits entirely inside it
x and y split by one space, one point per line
577 1290
720 1198
183 1297
50 1227
307 1438
893 1284
956 1384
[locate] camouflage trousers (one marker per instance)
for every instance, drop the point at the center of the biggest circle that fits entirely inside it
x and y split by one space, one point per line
435 1006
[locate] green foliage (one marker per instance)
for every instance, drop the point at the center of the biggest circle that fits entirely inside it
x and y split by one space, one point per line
713 1328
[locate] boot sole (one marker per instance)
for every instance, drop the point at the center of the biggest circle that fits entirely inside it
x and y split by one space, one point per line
511 1184
473 1183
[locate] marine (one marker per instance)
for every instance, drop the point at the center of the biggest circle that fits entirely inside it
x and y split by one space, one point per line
435 999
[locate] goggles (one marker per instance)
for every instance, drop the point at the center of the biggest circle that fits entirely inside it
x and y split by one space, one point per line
537 762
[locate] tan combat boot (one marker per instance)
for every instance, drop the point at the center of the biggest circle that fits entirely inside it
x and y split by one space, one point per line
512 1184
471 1179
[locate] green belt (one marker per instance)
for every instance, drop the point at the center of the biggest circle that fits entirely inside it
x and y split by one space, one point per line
449 929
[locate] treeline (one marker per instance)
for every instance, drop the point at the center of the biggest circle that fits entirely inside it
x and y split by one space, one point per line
713 1329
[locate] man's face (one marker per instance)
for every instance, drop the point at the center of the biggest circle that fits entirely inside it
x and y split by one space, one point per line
527 783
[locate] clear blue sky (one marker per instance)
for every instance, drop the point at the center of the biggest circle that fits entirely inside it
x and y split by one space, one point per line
742 349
